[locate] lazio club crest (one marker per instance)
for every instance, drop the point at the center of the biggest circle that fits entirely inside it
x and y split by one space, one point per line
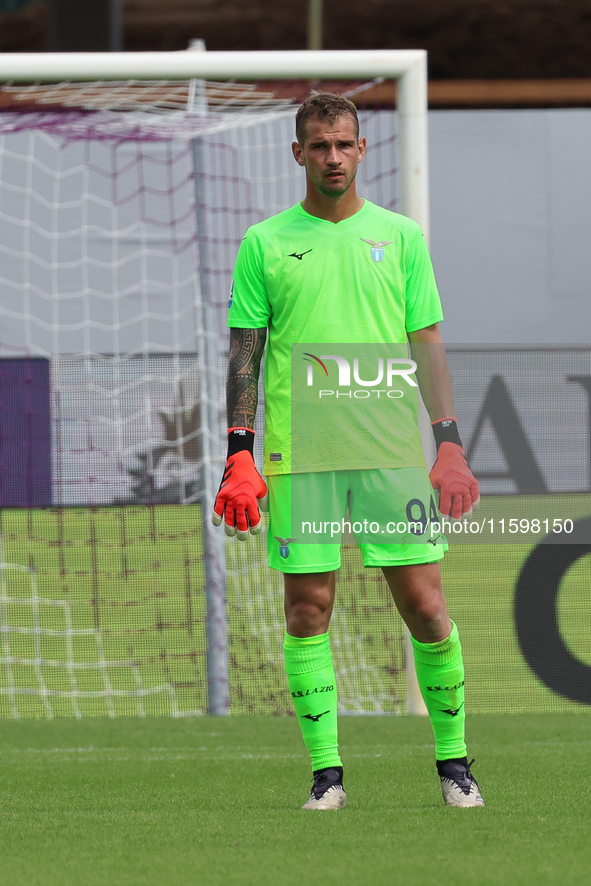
377 249
284 544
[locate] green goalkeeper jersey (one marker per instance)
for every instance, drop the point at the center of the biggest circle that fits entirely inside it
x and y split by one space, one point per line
338 301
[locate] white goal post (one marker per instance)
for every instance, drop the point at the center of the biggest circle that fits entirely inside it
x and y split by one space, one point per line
407 67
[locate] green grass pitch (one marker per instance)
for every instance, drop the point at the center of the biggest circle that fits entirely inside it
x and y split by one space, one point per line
102 614
215 801
145 800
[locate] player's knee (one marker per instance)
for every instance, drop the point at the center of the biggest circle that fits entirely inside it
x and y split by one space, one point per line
307 616
429 620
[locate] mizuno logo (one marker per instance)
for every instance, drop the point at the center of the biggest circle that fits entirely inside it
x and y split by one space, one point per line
315 717
453 712
298 255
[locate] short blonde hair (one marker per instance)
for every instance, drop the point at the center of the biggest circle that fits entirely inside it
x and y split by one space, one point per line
327 107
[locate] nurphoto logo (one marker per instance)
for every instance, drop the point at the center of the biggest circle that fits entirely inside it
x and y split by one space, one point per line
386 372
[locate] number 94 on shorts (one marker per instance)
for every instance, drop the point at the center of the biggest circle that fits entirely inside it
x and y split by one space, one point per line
393 508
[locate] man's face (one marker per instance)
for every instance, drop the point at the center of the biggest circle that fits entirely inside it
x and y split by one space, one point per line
330 155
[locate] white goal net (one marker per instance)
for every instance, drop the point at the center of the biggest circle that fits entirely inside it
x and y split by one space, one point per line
122 205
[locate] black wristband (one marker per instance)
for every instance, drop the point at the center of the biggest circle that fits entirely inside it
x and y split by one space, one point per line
240 439
446 431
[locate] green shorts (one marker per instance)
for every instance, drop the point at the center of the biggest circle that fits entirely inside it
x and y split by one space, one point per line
390 513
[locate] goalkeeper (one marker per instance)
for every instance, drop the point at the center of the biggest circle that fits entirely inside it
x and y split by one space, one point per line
335 270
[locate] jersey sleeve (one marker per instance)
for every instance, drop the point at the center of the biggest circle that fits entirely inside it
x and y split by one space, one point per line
249 304
423 304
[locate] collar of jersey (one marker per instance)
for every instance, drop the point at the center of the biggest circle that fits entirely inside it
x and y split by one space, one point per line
345 222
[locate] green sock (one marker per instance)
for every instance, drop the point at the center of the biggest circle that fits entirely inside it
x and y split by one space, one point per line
311 679
440 674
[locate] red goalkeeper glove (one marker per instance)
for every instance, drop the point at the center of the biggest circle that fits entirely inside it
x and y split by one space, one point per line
237 501
451 474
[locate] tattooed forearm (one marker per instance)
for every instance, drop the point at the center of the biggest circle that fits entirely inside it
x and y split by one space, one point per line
246 350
